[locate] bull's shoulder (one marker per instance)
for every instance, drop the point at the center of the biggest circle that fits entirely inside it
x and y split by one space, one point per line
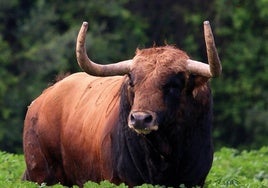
77 87
81 81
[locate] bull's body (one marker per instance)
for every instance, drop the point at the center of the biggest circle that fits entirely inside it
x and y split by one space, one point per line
152 125
73 134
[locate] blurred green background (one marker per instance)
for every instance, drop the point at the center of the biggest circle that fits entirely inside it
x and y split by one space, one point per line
37 43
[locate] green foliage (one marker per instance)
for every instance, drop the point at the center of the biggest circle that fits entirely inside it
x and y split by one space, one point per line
231 168
8 83
11 169
37 42
241 94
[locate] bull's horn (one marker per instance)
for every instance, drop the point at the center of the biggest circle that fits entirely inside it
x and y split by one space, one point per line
92 68
214 68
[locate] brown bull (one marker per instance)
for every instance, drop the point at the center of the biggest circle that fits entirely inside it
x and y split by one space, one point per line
151 125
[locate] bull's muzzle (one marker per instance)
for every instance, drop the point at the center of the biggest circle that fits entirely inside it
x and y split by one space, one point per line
142 122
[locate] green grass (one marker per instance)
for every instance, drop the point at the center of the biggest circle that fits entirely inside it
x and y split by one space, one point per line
231 168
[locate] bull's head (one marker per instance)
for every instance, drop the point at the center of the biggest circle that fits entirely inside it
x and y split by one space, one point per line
155 76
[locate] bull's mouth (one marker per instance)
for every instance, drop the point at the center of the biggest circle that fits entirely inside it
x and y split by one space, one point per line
146 130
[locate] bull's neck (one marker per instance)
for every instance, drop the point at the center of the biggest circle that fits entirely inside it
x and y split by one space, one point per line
147 157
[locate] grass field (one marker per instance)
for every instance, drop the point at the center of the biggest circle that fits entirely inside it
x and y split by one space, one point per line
231 168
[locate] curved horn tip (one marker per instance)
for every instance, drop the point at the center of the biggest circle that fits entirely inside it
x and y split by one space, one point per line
206 22
85 23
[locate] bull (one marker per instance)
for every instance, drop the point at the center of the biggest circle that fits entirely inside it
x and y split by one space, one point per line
144 120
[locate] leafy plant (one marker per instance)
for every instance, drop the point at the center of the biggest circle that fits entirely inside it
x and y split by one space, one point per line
232 168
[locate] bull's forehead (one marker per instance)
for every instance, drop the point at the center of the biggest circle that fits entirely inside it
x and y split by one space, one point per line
158 63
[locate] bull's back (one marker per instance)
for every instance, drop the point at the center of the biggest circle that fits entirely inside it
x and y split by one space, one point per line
67 126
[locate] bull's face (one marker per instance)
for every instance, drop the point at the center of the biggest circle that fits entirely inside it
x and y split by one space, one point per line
157 83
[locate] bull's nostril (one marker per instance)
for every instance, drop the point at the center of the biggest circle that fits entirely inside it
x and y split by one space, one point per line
132 119
148 119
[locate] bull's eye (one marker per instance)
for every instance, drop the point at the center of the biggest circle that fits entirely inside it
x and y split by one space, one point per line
173 89
174 86
172 93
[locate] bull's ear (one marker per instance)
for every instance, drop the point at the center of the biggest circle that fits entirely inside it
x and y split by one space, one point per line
195 82
200 80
